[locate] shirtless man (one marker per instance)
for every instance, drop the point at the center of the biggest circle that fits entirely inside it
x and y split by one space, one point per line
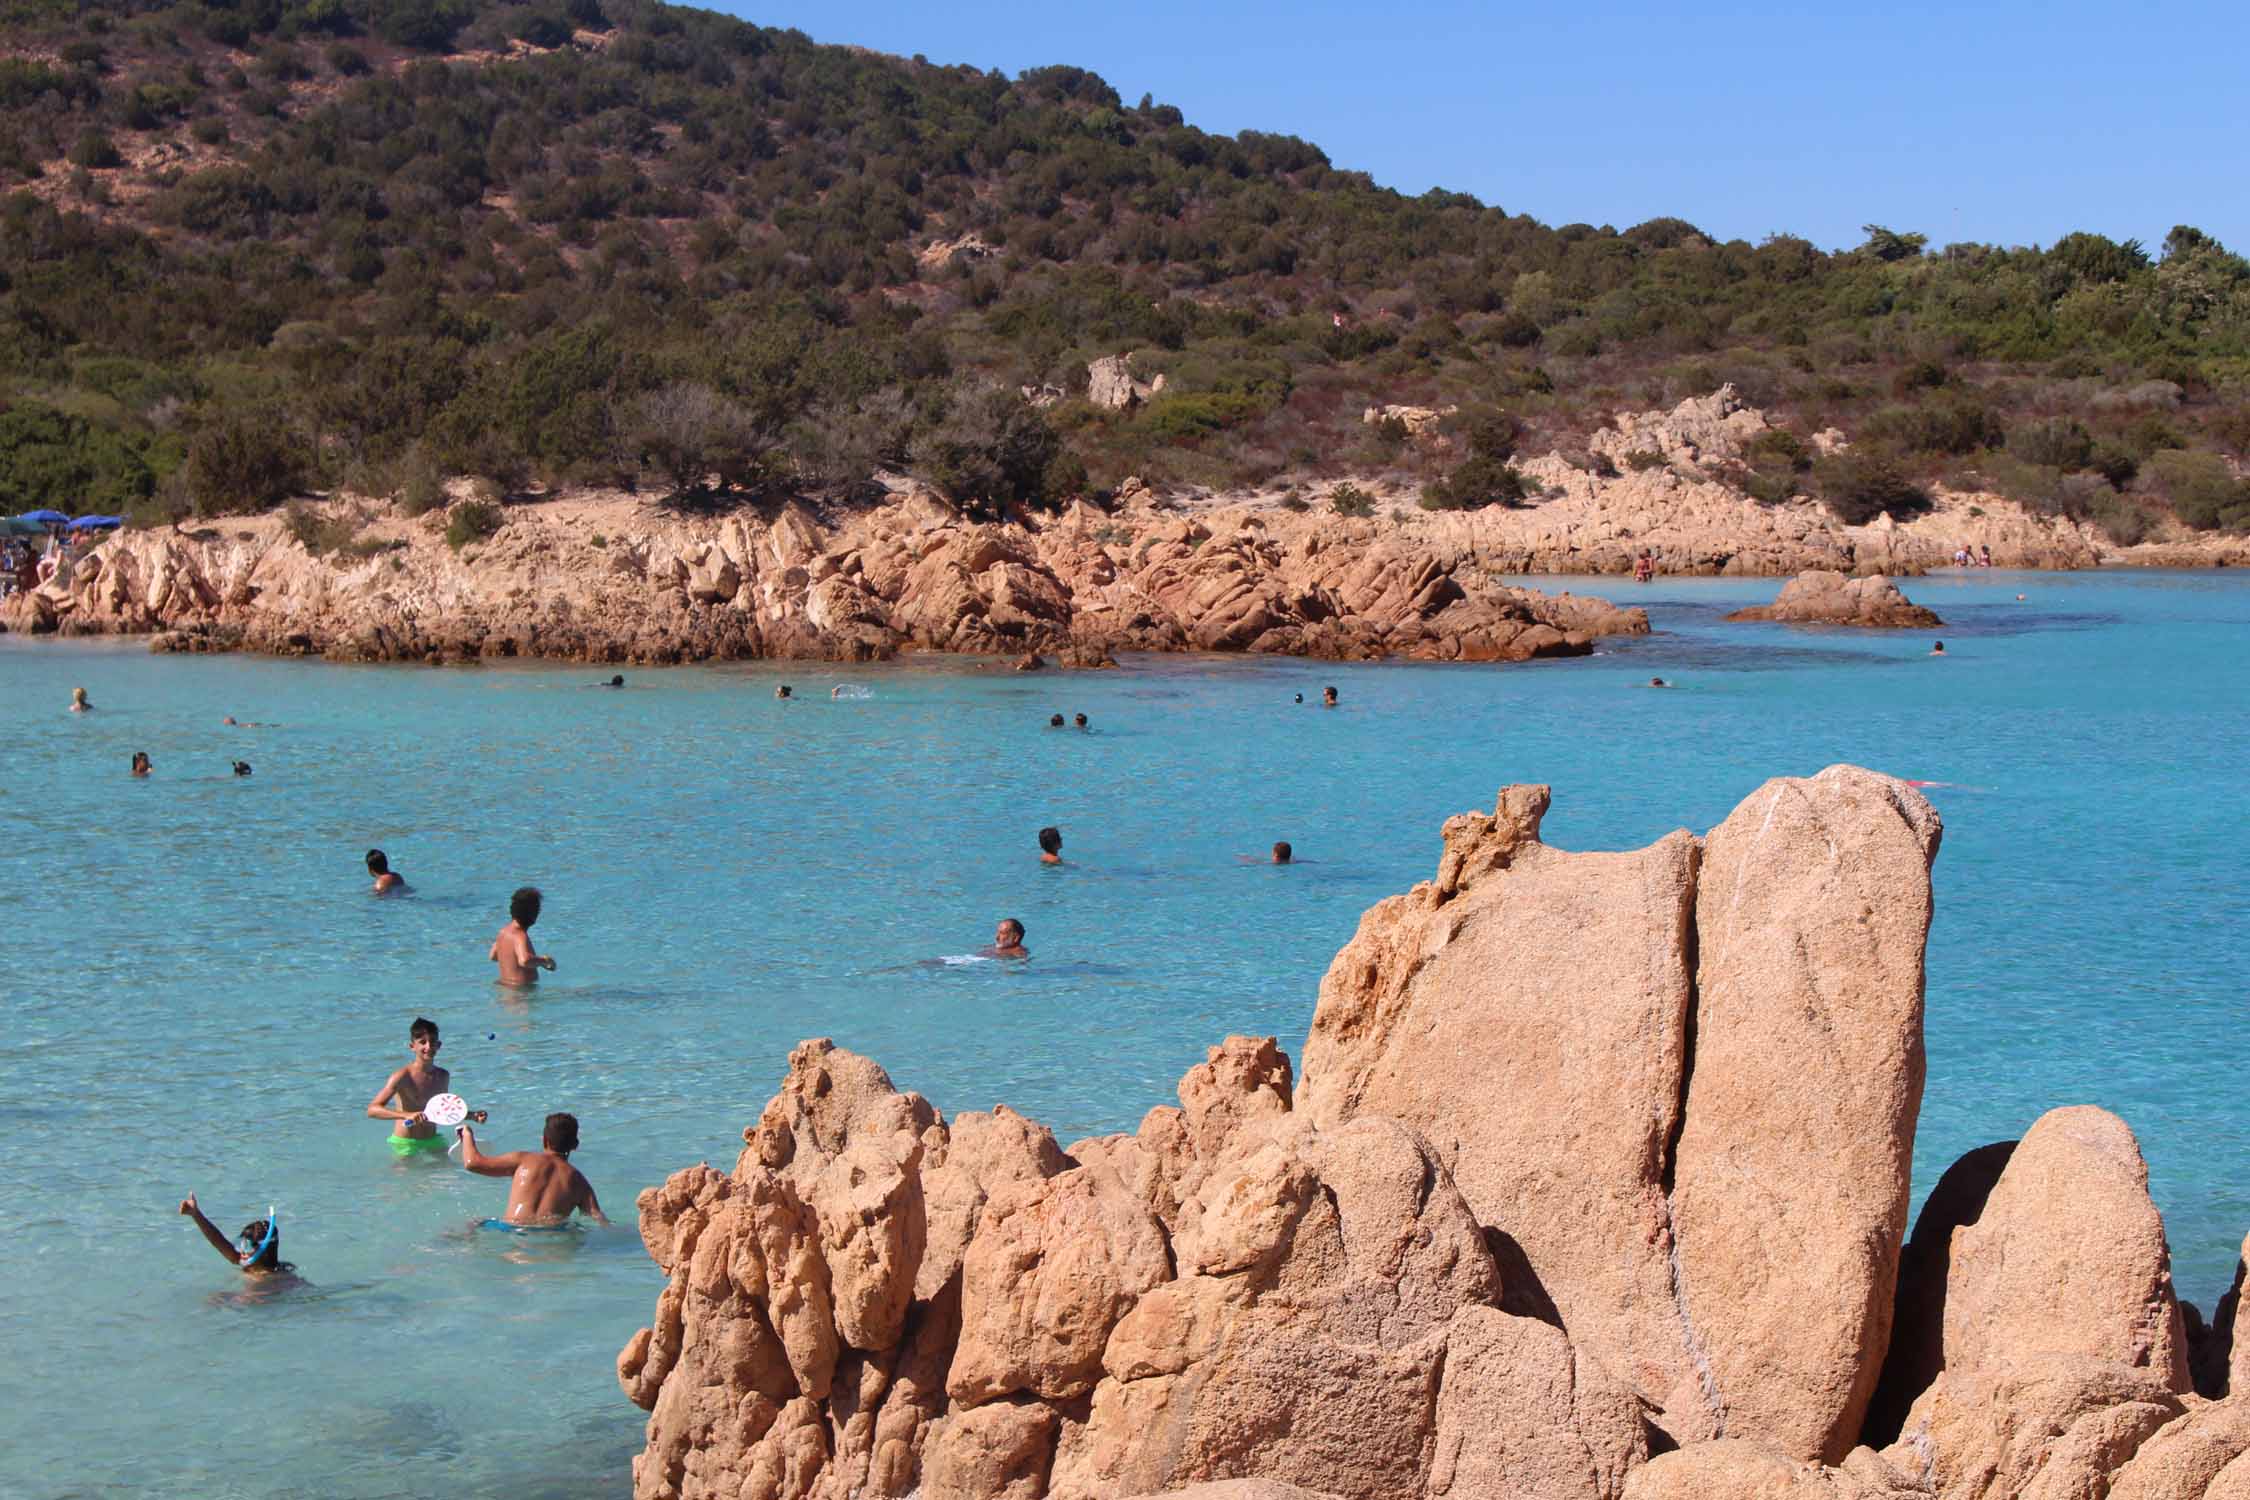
1050 846
546 1188
1007 940
407 1092
388 882
512 950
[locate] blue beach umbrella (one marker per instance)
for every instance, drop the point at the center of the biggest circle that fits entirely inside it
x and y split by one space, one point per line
96 523
45 517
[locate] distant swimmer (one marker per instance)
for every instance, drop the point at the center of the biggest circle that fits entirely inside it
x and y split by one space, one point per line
1327 697
781 691
407 1092
231 721
1300 697
1079 720
256 1252
388 882
79 703
1658 682
2019 598
1007 941
1056 722
511 949
241 768
1938 649
617 681
835 692
1050 846
1282 853
142 765
546 1189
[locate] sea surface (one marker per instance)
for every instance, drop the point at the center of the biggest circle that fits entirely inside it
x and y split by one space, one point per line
201 996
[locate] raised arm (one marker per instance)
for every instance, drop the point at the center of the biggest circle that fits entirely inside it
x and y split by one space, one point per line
219 1242
379 1107
476 1161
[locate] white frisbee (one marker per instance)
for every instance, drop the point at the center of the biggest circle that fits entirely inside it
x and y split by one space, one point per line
446 1111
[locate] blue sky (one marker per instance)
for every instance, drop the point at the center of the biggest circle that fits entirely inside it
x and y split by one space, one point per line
2011 122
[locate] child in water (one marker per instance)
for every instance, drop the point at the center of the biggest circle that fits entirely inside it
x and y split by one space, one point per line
257 1253
409 1090
511 947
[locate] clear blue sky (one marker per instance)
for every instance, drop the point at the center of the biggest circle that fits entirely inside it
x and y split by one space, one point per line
2011 122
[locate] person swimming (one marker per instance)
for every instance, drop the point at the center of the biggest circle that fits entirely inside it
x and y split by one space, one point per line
241 768
545 1189
1327 697
1658 682
142 765
1938 649
1007 941
387 882
78 701
783 691
1282 853
511 946
617 681
1080 721
256 1252
1300 697
1056 722
1050 846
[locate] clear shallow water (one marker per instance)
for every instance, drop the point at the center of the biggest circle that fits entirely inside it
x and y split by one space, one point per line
203 997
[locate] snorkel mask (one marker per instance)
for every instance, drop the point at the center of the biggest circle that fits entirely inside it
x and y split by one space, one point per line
273 1232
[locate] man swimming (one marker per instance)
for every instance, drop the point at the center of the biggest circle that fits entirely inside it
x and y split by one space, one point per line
616 681
1056 722
511 948
408 1091
1080 720
142 765
1050 846
79 705
546 1188
1282 853
241 768
388 882
782 691
1007 941
256 1253
1327 697
1938 649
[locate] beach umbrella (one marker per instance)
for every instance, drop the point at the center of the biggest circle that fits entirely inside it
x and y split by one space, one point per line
96 523
20 526
45 517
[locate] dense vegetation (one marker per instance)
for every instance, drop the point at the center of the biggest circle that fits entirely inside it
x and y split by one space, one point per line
257 246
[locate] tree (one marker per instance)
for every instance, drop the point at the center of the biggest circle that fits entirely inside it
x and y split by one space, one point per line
690 433
990 449
1888 244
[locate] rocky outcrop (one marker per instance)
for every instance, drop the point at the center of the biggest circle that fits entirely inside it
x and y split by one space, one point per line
619 581
1419 422
1110 383
1595 1190
1825 597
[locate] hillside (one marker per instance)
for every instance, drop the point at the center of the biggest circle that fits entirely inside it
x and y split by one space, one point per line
248 250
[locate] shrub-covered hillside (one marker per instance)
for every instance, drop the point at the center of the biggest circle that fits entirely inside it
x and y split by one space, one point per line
250 248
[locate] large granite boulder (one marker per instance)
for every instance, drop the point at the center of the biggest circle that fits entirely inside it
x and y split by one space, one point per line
1825 597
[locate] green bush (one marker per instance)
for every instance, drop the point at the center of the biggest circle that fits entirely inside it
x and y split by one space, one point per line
2203 490
317 533
1351 500
242 462
1778 447
1858 485
472 521
52 460
93 148
1642 460
2058 442
1772 486
1947 424
421 488
2125 522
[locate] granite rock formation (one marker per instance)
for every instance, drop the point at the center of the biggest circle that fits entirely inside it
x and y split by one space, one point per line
1825 597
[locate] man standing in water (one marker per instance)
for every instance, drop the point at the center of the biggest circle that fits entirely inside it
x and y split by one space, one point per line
1050 846
388 882
408 1091
511 949
546 1189
1007 940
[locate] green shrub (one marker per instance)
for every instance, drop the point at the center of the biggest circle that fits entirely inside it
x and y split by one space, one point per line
1351 500
2125 522
2058 442
1771 486
1641 460
316 533
1295 502
1947 424
1479 481
2203 490
1858 485
1778 447
421 489
347 61
242 462
93 148
50 459
472 521
2113 464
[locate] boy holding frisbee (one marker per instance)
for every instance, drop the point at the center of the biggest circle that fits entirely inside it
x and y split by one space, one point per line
407 1092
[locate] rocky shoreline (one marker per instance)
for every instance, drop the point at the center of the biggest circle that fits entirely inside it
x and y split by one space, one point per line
1645 1245
609 577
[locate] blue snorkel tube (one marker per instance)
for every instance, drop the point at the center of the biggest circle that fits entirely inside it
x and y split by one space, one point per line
273 1231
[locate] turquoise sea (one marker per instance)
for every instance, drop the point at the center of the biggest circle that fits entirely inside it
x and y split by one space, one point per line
202 996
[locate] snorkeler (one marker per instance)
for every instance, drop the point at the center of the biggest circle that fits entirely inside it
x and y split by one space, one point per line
142 765
1050 846
1007 941
408 1091
511 947
1300 697
79 705
547 1189
387 881
258 1253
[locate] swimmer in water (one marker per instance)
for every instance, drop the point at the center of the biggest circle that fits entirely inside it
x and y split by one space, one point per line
1327 697
1658 682
79 705
835 692
1080 720
1056 722
142 765
782 691
1007 941
256 1253
407 1092
241 768
387 881
1282 853
546 1189
1050 846
511 947
1938 649
1300 697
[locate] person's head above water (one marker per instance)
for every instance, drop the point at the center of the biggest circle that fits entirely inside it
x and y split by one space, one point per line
618 680
378 863
1050 844
1282 852
1657 682
1938 649
78 698
781 691
142 765
561 1134
259 1244
242 768
1007 937
1328 696
1056 722
1079 720
1300 697
523 906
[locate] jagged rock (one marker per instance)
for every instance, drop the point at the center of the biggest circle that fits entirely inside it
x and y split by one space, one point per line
1812 908
1523 1416
1110 383
1239 1489
2037 1427
2221 1363
1737 1469
1419 421
1826 597
2183 1460
1701 428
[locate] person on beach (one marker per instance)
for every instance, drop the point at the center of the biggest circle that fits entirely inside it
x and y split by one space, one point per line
142 765
78 703
388 882
407 1092
1644 567
257 1252
1007 941
1984 556
1050 846
1327 697
519 962
546 1189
